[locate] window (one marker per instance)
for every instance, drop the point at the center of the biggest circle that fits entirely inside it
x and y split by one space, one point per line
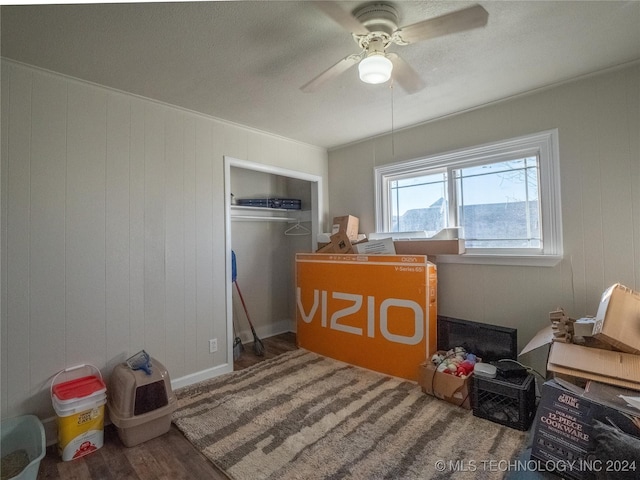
505 196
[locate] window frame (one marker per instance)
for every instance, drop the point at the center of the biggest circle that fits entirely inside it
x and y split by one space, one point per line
544 145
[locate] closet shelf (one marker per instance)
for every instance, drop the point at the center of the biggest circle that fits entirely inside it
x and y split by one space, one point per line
247 218
240 208
266 214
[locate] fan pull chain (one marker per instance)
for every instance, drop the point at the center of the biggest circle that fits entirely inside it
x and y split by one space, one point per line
393 145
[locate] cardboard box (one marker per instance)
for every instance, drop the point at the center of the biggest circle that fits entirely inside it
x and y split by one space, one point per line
324 239
618 319
378 312
430 247
347 224
606 366
583 437
413 235
375 247
444 386
340 243
583 327
618 324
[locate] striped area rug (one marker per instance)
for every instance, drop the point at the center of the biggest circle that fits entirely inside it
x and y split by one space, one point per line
304 416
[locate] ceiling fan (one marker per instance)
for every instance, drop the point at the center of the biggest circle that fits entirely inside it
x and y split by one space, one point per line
374 27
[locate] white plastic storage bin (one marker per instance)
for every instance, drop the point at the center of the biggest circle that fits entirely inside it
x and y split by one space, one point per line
22 447
79 405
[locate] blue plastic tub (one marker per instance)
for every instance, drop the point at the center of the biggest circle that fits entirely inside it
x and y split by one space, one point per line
24 433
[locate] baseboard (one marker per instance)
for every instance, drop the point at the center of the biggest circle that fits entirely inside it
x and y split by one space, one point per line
276 329
51 425
50 430
266 331
201 376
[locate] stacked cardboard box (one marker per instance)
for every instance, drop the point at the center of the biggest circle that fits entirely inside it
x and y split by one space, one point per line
344 233
430 247
347 224
610 355
344 238
445 242
586 413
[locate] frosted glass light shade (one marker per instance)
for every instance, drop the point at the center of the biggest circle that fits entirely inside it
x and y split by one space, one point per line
375 69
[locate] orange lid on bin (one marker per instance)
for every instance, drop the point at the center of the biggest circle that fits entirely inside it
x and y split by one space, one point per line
79 388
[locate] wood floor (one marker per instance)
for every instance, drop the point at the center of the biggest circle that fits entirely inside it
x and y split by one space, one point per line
169 456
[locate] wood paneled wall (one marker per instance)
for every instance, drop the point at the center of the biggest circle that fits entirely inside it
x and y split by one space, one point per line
113 230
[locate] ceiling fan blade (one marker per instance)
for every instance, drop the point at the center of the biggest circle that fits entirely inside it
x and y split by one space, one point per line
330 73
342 17
405 75
466 19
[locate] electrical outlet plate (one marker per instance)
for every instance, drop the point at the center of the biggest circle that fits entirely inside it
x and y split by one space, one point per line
213 345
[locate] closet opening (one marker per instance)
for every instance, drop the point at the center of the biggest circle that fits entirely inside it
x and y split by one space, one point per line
271 214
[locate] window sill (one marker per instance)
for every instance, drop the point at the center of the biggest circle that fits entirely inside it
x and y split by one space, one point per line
507 260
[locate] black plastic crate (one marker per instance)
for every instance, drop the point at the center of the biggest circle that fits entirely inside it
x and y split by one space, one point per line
508 401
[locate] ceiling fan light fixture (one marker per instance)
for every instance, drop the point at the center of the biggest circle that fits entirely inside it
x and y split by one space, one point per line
375 68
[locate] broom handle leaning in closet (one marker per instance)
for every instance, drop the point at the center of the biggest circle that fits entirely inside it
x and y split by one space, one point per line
246 311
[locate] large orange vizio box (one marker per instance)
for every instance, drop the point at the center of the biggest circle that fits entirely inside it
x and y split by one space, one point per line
373 311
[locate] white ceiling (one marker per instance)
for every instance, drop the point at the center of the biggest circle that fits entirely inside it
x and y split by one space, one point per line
245 61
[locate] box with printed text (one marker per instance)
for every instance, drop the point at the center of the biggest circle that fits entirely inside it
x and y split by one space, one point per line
374 311
586 434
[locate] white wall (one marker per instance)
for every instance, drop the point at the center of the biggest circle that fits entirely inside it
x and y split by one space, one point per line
599 128
113 230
